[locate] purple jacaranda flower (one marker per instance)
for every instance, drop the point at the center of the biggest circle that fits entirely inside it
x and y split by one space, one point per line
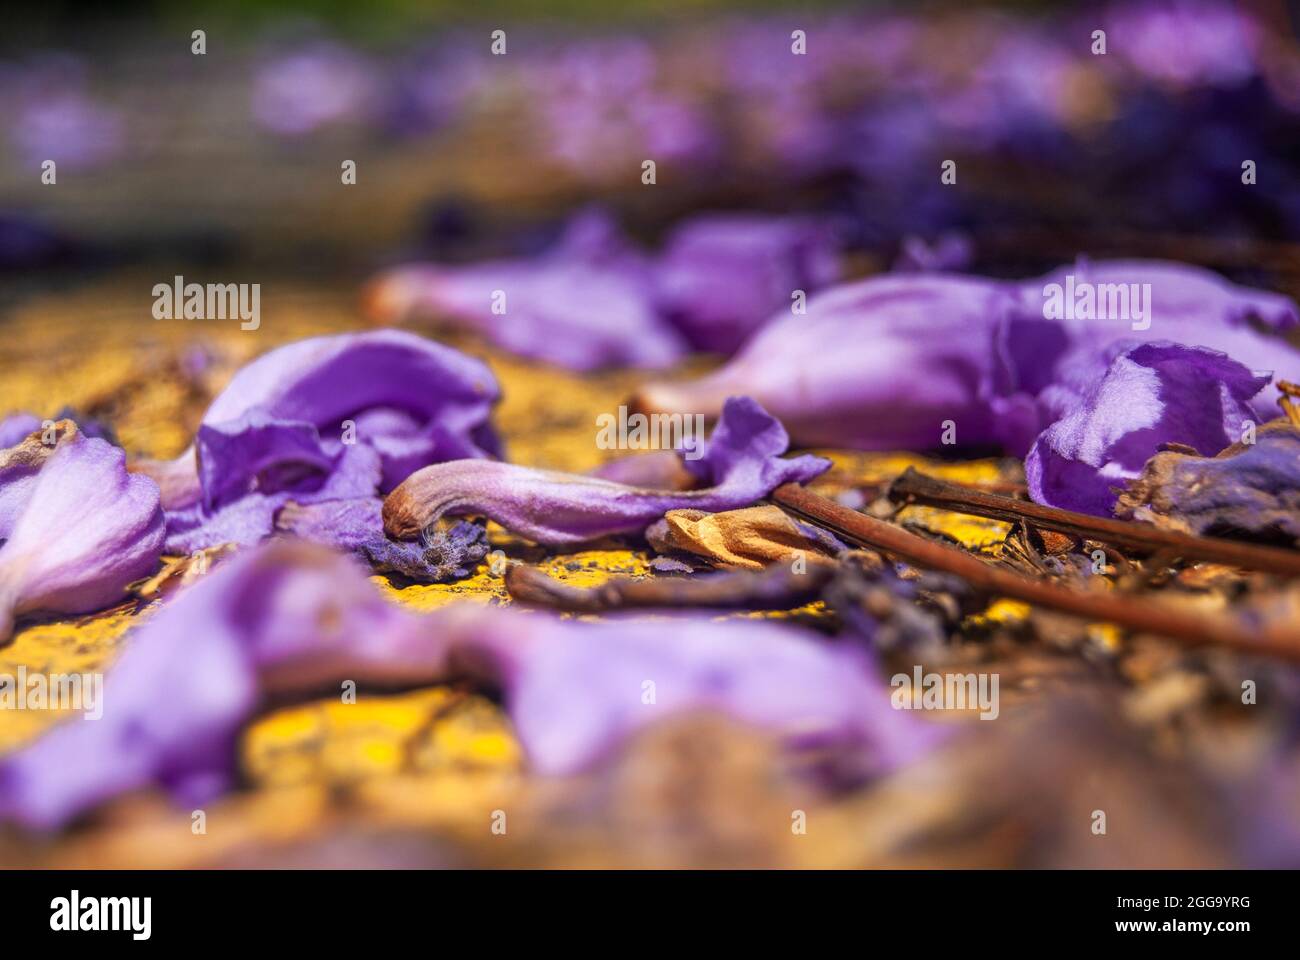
248 518
1248 489
894 362
878 364
740 464
588 302
289 619
327 418
79 530
1151 394
721 276
310 87
1101 302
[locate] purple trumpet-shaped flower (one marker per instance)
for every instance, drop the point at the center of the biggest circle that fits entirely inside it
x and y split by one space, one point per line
75 527
721 277
879 364
586 303
330 418
1151 394
891 362
741 463
290 619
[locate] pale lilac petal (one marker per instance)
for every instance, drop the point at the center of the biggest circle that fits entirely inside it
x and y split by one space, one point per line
87 529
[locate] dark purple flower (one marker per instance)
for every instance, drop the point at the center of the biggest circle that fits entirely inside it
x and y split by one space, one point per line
75 527
287 619
1151 394
722 276
438 556
742 463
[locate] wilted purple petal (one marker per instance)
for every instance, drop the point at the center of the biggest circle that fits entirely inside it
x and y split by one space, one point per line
353 474
720 277
330 418
288 618
438 556
1151 394
741 464
345 524
87 528
1249 488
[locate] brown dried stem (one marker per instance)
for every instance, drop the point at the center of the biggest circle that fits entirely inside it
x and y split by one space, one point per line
1145 615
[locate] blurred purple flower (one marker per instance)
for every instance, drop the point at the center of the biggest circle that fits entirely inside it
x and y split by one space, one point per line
585 303
1185 42
722 276
289 619
313 86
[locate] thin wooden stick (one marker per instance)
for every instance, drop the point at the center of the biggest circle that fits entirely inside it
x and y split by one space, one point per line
1146 615
1129 534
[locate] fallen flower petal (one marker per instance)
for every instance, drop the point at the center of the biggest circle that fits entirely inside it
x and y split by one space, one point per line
876 365
892 361
722 276
587 303
412 400
1151 394
289 618
1249 488
741 464
87 529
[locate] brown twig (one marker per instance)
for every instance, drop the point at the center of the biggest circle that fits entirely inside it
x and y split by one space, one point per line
1145 615
778 587
1129 534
